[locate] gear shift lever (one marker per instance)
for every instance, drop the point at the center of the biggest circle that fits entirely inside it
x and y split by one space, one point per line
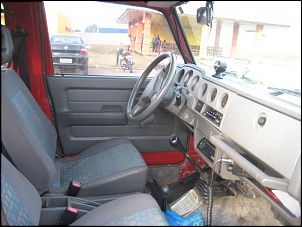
165 190
175 142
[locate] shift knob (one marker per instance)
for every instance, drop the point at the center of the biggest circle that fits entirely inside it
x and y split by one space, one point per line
175 142
165 191
165 194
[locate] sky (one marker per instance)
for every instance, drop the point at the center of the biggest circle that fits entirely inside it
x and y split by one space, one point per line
279 12
75 11
275 12
284 12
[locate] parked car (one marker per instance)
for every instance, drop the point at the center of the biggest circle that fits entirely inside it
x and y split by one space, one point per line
69 54
184 132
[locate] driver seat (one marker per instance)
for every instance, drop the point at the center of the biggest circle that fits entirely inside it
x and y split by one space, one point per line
109 167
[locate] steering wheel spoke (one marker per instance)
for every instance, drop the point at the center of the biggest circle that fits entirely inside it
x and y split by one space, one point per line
137 108
154 96
155 91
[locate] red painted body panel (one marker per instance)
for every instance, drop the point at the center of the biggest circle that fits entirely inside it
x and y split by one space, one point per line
33 43
163 158
187 168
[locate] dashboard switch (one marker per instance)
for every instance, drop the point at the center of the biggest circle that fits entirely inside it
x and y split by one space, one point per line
178 100
199 106
261 121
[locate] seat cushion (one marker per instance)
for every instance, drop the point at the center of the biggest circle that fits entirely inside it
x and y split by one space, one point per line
109 167
133 210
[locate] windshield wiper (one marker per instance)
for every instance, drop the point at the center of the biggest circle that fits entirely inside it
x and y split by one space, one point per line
242 77
231 73
281 91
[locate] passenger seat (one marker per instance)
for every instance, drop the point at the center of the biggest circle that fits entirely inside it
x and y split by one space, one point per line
21 205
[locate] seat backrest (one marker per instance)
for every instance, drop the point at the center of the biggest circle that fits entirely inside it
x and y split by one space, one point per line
26 132
20 201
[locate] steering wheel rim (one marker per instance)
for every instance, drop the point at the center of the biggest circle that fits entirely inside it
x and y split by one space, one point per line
156 97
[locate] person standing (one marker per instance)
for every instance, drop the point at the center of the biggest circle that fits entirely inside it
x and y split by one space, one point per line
129 42
164 46
154 43
157 46
142 42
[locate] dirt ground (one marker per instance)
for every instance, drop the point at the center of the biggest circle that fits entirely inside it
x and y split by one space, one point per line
100 54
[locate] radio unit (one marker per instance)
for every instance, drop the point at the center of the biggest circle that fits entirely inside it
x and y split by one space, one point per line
207 149
213 115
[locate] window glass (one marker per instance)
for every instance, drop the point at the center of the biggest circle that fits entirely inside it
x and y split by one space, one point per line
259 42
2 15
6 65
106 38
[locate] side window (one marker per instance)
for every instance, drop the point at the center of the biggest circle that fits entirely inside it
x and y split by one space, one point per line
6 65
2 15
97 38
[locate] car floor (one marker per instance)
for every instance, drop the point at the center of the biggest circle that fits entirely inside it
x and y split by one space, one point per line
238 211
229 208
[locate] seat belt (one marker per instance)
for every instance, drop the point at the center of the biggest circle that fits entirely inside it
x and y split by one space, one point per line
73 188
19 36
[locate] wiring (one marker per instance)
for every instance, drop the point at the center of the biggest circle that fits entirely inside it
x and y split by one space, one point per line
210 191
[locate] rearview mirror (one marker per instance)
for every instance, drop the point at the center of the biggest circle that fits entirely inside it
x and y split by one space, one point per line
204 15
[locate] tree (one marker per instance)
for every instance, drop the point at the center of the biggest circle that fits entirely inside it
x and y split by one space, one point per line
92 29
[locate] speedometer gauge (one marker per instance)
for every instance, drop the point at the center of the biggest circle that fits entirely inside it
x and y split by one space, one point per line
205 87
213 95
224 100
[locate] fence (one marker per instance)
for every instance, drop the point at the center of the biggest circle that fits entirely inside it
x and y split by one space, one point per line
214 51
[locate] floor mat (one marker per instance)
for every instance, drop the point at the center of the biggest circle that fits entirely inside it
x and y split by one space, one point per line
163 174
220 188
176 189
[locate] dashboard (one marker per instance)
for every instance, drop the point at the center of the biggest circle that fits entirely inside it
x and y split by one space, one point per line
258 134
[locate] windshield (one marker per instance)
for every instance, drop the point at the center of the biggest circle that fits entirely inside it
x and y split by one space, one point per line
66 39
260 43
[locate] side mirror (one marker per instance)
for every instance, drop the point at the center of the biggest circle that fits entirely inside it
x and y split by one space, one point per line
204 15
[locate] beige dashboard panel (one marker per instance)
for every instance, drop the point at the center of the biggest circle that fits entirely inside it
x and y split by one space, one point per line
277 142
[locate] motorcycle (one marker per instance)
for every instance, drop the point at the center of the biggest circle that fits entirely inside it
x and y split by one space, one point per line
126 61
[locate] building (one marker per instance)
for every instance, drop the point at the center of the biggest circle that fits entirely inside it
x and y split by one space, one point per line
60 23
223 41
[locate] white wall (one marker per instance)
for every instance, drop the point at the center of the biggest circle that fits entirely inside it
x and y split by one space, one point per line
119 39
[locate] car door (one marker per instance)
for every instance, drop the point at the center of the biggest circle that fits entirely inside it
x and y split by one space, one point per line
92 109
89 108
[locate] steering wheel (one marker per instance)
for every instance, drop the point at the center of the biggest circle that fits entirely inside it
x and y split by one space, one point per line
155 91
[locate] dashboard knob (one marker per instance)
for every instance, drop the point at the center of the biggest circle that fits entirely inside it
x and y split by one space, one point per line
261 121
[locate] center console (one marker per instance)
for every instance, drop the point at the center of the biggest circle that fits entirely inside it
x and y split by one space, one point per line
55 209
